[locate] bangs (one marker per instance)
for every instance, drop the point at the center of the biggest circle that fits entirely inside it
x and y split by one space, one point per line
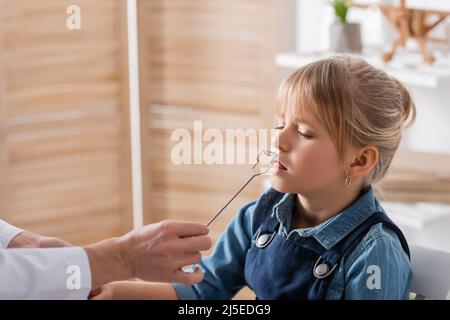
296 98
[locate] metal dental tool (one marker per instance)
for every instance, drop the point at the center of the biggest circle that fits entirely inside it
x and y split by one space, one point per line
263 164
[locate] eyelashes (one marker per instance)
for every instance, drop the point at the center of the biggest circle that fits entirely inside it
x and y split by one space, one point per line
305 135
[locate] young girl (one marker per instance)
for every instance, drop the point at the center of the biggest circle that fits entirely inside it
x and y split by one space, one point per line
319 233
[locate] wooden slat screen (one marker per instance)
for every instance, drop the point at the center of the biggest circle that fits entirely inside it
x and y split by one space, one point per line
65 119
417 177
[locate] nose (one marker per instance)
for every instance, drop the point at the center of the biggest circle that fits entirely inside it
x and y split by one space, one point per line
280 140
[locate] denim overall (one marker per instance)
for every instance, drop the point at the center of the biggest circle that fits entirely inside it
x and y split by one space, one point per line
277 268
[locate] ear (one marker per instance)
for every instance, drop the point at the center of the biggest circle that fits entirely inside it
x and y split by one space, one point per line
363 161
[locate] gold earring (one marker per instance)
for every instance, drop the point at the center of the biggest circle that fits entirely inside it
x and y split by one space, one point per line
347 182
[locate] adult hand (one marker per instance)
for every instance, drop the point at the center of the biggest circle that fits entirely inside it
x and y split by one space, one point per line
156 252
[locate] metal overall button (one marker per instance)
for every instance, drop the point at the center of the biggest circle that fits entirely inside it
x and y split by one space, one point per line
263 240
322 270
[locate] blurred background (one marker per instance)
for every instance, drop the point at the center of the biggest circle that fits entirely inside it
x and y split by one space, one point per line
87 110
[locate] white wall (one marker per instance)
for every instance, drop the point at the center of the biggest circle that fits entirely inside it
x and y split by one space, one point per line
313 19
431 132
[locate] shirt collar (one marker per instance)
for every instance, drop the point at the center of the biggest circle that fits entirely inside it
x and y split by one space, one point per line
331 231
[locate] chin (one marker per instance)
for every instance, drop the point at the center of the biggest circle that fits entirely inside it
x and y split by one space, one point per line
279 185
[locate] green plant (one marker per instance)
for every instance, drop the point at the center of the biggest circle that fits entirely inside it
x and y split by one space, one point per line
341 9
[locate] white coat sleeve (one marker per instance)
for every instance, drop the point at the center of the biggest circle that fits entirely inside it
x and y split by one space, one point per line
7 232
54 273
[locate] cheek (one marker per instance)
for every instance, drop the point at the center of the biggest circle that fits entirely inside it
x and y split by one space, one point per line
319 163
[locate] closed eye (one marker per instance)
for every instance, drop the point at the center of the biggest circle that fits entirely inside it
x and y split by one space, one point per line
305 135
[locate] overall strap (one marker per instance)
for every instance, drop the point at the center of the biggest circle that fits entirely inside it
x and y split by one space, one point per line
334 255
264 208
269 225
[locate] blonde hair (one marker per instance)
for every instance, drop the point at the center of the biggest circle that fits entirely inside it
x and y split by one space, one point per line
359 105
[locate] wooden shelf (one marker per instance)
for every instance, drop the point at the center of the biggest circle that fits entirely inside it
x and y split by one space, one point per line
416 4
406 67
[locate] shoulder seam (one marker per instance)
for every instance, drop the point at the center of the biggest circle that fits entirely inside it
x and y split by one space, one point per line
355 254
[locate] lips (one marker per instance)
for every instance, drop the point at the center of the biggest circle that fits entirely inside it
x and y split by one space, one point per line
277 164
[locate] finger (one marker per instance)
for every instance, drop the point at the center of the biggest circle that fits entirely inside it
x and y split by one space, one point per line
188 259
100 296
96 294
193 244
189 229
181 276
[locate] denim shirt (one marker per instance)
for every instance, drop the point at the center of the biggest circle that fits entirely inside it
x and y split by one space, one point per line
377 267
